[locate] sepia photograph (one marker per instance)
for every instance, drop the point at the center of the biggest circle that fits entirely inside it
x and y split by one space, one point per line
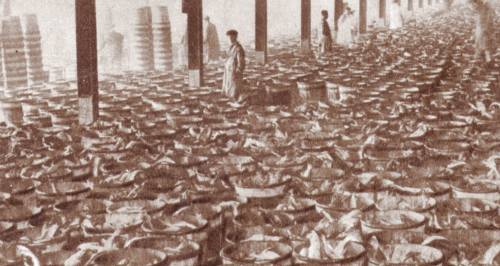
249 132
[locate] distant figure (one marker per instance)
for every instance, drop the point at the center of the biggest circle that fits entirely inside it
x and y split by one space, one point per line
348 27
112 51
234 68
485 30
211 41
395 15
449 3
182 53
326 41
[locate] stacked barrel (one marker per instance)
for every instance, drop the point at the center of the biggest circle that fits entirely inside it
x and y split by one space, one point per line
162 37
33 46
14 70
14 57
143 56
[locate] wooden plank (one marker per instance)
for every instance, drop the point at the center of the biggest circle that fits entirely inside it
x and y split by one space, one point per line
261 30
86 58
194 10
382 8
363 16
305 26
339 9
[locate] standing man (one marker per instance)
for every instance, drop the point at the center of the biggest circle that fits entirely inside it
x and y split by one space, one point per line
348 27
325 44
234 67
111 52
211 41
395 16
449 3
485 30
182 53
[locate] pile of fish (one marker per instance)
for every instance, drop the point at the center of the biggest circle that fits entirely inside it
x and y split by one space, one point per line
394 161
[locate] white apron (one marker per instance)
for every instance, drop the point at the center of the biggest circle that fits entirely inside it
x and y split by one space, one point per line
347 28
395 17
233 71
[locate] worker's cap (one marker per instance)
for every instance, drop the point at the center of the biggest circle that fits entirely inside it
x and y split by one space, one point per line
207 18
324 12
232 33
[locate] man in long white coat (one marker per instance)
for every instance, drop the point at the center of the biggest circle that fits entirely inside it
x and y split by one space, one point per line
182 53
348 28
395 15
234 67
485 43
211 41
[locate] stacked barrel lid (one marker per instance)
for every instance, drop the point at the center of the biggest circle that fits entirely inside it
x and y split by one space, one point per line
152 49
396 169
33 48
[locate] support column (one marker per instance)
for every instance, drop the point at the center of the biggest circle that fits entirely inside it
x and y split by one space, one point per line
194 11
410 5
382 10
261 31
305 40
430 2
363 16
339 9
86 58
421 3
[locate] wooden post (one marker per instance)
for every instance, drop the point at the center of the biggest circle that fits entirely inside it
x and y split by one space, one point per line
363 16
421 3
305 40
194 11
382 10
86 58
430 2
410 5
261 31
339 9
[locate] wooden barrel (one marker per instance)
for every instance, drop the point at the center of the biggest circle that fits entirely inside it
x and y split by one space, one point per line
162 39
40 121
332 91
12 112
216 230
33 47
314 90
30 107
143 53
358 258
15 71
231 255
188 256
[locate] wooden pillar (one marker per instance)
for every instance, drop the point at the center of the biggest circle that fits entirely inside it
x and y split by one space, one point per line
430 2
305 40
363 16
421 3
86 59
261 31
339 9
194 11
382 10
410 5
